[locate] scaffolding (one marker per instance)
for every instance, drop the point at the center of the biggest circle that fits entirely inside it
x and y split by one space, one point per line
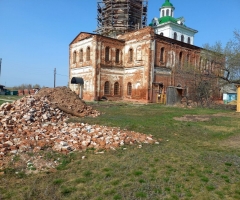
115 17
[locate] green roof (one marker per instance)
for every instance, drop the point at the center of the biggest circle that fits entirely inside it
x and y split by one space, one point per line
167 4
167 19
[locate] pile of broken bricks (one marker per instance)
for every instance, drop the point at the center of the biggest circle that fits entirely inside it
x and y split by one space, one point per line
31 124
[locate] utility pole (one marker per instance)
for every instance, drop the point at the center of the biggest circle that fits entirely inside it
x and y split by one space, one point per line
55 77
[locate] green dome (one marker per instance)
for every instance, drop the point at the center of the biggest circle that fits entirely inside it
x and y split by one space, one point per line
167 4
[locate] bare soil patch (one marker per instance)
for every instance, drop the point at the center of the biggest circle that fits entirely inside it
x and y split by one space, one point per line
193 118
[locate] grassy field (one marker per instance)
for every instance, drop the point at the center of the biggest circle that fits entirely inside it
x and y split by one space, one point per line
194 160
10 97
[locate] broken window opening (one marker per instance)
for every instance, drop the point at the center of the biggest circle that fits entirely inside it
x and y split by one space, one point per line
88 54
81 55
107 54
180 59
117 56
162 55
74 57
107 88
129 89
130 55
116 88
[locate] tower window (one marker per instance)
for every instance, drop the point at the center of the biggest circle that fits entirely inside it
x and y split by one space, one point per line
107 87
107 54
88 54
182 38
116 88
180 59
162 54
167 12
80 55
130 58
161 33
171 13
117 55
74 56
129 89
189 40
163 13
175 36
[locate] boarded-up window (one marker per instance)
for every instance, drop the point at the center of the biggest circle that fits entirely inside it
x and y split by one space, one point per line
130 56
139 53
88 54
162 54
129 89
74 56
116 88
117 56
81 55
107 87
107 54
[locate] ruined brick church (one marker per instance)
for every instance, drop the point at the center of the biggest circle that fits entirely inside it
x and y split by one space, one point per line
128 59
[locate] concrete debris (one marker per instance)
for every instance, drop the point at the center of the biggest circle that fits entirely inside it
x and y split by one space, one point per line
33 123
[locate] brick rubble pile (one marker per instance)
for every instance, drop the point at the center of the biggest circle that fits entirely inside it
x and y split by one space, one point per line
33 123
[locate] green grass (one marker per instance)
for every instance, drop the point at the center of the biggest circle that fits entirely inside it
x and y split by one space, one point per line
10 97
190 162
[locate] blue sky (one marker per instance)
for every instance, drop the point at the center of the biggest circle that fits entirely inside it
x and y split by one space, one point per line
35 34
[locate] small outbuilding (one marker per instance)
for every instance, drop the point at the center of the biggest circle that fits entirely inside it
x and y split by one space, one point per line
2 89
229 93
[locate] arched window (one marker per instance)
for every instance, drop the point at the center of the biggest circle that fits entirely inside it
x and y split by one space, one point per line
116 88
167 12
74 56
80 55
162 54
180 59
182 38
107 87
117 56
107 54
163 13
189 40
175 36
88 54
171 12
161 33
130 58
129 89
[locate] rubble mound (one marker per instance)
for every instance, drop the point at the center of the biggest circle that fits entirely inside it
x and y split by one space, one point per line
68 101
35 123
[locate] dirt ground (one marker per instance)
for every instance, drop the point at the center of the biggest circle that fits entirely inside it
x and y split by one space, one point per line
67 101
